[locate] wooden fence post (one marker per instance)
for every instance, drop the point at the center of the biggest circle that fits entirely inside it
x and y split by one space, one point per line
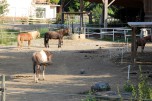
3 88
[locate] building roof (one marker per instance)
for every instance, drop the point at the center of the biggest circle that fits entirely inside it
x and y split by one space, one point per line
126 3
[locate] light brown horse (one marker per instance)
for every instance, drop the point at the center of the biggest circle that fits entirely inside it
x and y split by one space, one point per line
28 36
55 35
41 59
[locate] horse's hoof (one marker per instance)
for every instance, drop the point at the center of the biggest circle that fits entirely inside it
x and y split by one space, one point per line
36 81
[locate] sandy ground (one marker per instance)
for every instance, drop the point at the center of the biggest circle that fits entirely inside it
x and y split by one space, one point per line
63 79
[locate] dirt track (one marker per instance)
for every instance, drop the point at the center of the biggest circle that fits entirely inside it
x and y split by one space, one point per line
63 79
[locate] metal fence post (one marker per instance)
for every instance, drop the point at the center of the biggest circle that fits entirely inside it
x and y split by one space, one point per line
3 88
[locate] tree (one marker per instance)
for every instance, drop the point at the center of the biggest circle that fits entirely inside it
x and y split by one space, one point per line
3 7
54 1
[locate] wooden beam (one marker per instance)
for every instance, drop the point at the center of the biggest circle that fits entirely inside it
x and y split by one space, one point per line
81 16
105 13
111 2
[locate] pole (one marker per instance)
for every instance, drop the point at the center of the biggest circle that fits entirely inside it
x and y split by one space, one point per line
128 72
62 11
81 16
3 88
105 13
133 47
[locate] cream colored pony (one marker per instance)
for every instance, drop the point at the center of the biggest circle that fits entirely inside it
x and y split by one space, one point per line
34 34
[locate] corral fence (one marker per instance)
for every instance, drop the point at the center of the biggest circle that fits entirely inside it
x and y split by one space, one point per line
8 32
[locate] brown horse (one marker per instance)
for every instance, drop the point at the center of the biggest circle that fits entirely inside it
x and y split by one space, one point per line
28 36
41 59
55 35
142 42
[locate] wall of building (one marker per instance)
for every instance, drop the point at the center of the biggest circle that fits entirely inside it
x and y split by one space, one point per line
26 8
19 8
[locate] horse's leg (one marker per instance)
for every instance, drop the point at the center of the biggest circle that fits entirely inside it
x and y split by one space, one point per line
21 45
142 50
143 46
47 44
43 72
29 43
59 44
62 41
37 73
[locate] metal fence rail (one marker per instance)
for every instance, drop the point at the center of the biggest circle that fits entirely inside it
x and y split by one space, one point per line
8 37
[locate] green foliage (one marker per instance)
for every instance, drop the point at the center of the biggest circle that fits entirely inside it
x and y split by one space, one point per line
89 97
75 6
143 90
112 10
8 37
128 87
96 9
42 31
96 12
3 7
54 1
143 87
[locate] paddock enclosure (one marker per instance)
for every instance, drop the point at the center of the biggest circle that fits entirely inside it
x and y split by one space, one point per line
105 61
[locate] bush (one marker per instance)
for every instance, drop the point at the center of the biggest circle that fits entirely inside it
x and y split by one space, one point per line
141 91
42 31
128 87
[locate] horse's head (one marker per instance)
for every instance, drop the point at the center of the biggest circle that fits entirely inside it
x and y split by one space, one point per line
66 31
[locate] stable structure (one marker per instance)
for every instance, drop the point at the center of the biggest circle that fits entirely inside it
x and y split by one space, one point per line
144 5
134 26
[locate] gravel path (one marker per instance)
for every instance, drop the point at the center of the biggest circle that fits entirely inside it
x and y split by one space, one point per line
63 79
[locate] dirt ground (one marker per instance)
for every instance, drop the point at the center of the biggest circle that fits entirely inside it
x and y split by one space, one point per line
63 79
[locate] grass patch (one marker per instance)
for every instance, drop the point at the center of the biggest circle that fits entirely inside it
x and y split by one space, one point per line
8 36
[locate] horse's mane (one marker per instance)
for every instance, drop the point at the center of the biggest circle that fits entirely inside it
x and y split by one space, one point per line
35 34
63 30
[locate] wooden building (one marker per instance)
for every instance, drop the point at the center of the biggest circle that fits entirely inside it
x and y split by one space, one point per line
138 4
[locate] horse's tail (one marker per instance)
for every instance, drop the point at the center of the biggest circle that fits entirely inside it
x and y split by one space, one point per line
45 39
18 40
34 65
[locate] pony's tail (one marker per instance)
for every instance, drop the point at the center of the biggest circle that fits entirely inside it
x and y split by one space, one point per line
18 40
33 65
45 39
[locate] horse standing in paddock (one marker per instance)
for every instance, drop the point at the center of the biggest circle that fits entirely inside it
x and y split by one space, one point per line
41 59
23 37
55 35
28 36
142 42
